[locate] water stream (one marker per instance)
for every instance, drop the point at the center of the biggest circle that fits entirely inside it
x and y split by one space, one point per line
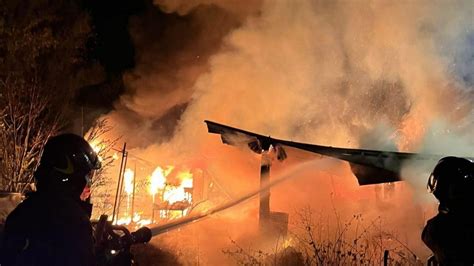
298 170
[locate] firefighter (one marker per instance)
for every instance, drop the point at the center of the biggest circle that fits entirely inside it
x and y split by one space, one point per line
51 226
450 234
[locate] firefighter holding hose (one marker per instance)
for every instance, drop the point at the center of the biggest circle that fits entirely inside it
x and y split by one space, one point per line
52 227
450 234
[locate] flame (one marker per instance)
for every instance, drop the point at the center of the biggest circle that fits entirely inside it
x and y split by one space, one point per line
172 194
180 193
143 222
128 181
158 180
174 191
136 217
139 221
124 220
136 220
186 178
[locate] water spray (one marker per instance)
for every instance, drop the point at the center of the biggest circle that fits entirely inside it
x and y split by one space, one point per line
320 163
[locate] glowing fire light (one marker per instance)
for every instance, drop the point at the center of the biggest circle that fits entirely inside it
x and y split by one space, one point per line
128 181
137 220
124 220
174 193
136 217
186 179
179 193
97 147
143 222
158 180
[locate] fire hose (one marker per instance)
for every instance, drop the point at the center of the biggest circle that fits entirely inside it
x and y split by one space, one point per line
113 242
108 239
117 239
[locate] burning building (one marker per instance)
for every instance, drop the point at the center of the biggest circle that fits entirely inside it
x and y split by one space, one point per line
172 192
149 194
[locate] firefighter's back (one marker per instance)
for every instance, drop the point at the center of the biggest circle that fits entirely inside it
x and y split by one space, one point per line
47 230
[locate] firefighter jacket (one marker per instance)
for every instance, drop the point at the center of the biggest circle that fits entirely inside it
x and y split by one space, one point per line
451 238
47 229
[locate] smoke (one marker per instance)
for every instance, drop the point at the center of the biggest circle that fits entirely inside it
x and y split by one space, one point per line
184 7
383 74
172 52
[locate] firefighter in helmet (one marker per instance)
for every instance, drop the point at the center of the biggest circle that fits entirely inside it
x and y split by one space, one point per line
51 226
450 234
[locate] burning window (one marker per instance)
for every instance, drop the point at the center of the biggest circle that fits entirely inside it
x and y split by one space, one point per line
167 193
172 192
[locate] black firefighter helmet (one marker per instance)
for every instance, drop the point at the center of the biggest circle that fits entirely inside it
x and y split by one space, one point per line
67 165
452 181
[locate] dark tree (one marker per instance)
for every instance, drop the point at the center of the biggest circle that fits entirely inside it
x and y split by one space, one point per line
42 62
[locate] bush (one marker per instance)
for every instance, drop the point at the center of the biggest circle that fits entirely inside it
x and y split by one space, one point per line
356 242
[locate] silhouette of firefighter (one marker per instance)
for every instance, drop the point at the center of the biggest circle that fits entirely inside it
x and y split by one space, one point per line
450 234
51 226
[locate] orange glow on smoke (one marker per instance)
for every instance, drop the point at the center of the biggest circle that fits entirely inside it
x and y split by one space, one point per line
412 130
